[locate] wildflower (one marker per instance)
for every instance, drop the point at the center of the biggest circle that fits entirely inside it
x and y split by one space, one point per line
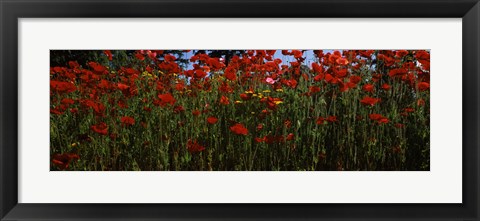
320 121
195 113
386 87
224 100
270 80
332 119
369 101
166 99
100 128
290 136
127 121
383 120
342 61
212 120
62 161
194 146
239 129
375 116
423 86
368 87
245 97
317 68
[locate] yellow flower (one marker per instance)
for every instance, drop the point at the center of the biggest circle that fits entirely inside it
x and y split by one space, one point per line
248 92
254 95
278 102
279 90
238 102
266 91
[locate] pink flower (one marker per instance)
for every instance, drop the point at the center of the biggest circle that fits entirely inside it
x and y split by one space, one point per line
270 81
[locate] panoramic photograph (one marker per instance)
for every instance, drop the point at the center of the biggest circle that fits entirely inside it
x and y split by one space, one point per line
240 110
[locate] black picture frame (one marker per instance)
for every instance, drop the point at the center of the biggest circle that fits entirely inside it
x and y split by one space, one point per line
11 10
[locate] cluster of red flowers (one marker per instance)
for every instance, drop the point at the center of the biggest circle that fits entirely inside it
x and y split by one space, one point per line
257 79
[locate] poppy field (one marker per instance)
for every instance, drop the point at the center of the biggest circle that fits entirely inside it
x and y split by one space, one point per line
240 110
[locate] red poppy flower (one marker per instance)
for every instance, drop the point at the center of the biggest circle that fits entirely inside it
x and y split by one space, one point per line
397 72
355 79
272 102
239 129
108 53
170 58
401 53
122 86
319 77
97 68
166 99
67 101
317 68
368 87
370 101
292 83
245 97
259 127
423 86
386 86
320 120
195 113
194 146
342 61
62 161
290 136
200 74
330 79
230 74
179 86
341 73
212 120
409 110
383 120
297 54
332 119
139 56
314 89
375 116
127 121
224 100
259 139
100 128
62 87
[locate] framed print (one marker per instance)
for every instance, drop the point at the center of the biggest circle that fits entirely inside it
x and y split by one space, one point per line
239 110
